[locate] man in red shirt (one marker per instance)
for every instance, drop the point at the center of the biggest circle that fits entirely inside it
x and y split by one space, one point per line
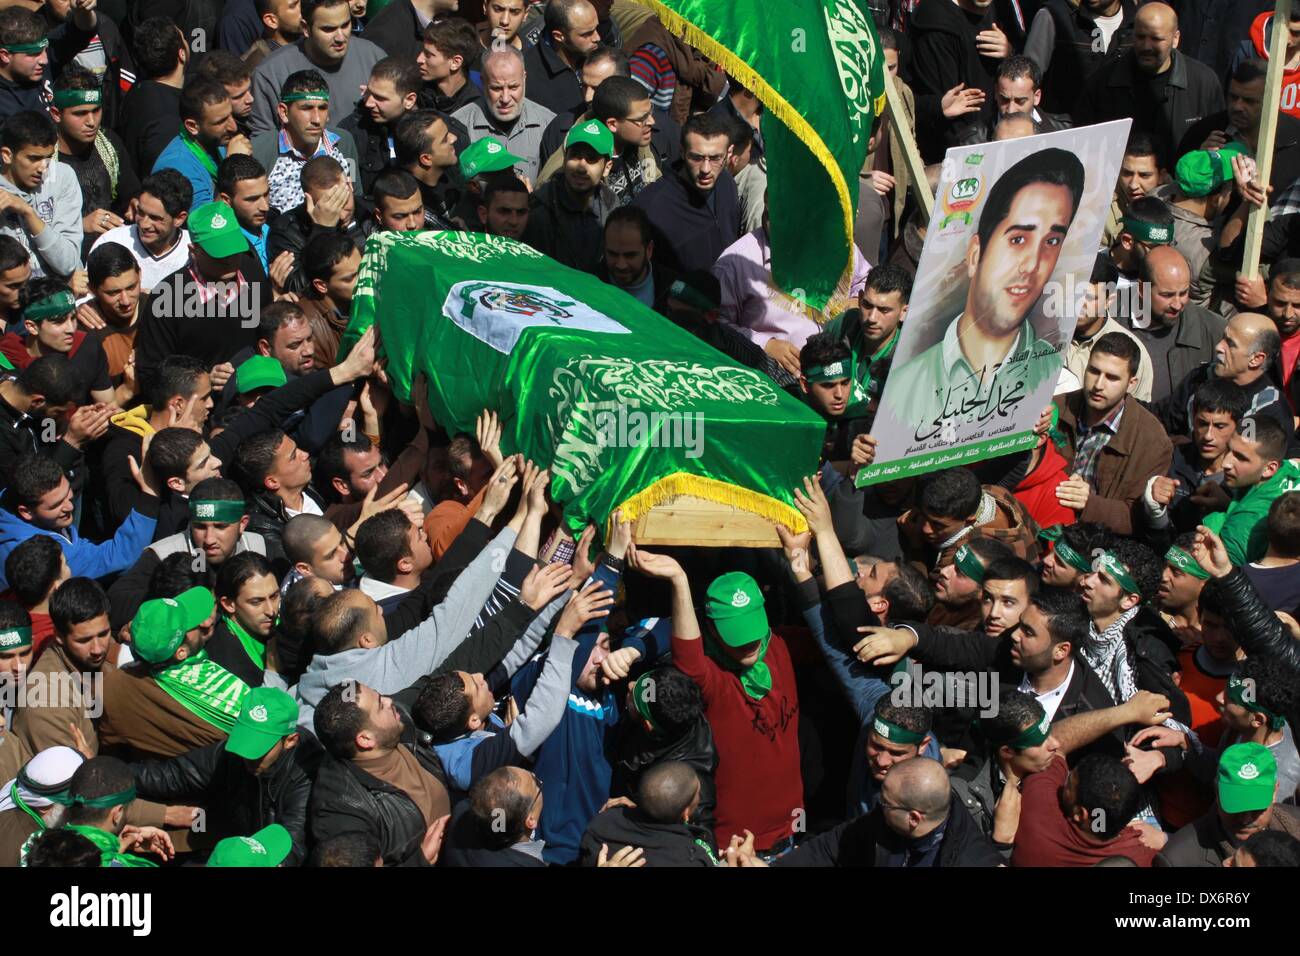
747 681
1081 816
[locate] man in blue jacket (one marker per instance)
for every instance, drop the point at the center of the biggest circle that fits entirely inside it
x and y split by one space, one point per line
39 501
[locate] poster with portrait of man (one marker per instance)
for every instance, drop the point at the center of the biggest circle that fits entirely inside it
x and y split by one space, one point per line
1007 257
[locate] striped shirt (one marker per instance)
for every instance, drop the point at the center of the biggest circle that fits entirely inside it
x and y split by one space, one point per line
651 68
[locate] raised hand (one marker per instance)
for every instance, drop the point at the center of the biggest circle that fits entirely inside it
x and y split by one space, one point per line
654 565
592 602
488 432
543 584
883 645
812 504
1210 554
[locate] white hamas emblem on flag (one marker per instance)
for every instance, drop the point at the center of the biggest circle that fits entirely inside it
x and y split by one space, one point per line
855 51
496 313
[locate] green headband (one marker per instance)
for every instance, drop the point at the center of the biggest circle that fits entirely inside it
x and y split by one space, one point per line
1235 691
640 700
121 798
894 733
1052 533
227 512
54 304
65 98
969 565
31 49
1184 562
1115 568
831 371
1033 735
1071 557
319 96
15 637
1148 231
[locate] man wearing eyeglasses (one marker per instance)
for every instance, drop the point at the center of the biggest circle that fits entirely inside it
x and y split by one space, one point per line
695 209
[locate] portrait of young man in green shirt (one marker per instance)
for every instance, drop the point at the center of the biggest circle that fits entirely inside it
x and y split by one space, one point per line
990 358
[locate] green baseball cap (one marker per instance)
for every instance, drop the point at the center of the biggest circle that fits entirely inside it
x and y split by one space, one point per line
486 155
595 134
1247 778
735 606
215 230
267 716
1203 171
269 846
260 371
160 625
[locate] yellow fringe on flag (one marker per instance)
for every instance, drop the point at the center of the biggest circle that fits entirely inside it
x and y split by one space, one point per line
689 33
680 483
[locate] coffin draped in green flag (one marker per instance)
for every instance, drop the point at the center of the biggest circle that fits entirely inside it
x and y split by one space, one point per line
818 68
628 410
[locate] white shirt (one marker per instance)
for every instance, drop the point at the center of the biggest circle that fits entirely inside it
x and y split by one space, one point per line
309 507
153 269
1051 700
1108 26
379 590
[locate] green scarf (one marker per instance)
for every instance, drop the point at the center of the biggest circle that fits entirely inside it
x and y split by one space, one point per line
199 153
205 689
755 679
860 397
110 848
253 647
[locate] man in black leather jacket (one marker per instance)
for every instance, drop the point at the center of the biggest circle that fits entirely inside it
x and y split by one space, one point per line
254 778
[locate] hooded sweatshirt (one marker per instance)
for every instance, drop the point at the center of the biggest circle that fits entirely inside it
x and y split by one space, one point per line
399 663
1261 35
1243 525
56 251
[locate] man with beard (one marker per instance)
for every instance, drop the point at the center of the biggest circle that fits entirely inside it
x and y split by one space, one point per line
32 799
566 218
208 134
628 262
70 669
242 184
991 347
1181 335
425 147
1164 90
504 112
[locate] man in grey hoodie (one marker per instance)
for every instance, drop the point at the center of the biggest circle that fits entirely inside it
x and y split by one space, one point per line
40 200
352 639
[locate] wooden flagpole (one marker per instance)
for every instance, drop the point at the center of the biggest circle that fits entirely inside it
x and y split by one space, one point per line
1257 218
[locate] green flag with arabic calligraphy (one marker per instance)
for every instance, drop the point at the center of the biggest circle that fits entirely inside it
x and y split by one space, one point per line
627 409
817 66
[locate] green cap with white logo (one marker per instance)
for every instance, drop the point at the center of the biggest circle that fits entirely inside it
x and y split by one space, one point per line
269 846
1247 778
595 134
735 606
215 230
160 625
267 716
486 155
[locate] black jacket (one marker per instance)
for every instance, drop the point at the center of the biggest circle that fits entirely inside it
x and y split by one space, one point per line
267 516
150 120
291 231
943 55
347 799
20 434
225 648
372 145
635 751
665 844
396 30
1119 89
464 846
690 231
551 82
1155 657
867 841
1175 411
238 803
66 41
565 230
1075 57
1253 623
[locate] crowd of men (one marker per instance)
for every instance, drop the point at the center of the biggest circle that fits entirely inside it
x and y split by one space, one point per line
258 611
